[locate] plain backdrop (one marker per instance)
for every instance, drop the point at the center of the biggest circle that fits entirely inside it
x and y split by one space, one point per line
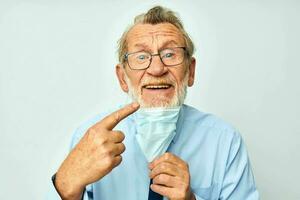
57 63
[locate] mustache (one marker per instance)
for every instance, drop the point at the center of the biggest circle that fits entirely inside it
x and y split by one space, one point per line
157 81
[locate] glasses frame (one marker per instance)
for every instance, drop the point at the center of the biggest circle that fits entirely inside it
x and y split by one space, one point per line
157 54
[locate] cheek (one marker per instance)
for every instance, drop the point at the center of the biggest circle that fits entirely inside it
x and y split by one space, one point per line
178 75
135 77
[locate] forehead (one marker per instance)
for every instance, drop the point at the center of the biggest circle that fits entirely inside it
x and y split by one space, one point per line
154 35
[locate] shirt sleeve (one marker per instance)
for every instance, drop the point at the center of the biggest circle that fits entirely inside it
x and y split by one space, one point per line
238 181
88 192
52 193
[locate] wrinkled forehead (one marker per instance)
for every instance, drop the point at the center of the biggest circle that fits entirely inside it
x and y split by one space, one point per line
154 36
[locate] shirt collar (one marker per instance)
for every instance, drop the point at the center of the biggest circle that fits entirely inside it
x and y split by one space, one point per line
179 123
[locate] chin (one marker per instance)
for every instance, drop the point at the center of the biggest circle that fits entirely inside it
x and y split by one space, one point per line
157 101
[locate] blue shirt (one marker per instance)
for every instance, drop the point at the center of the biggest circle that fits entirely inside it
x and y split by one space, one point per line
215 152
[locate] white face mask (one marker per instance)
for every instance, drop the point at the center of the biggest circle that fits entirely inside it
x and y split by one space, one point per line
156 127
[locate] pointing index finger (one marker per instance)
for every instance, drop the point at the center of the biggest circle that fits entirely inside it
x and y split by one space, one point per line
113 119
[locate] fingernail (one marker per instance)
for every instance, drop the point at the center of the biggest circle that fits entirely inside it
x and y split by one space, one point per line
151 186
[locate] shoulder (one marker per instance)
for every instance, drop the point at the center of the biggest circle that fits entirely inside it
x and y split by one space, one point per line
212 124
211 134
192 114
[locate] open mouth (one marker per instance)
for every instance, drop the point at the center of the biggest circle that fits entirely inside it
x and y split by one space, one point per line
157 87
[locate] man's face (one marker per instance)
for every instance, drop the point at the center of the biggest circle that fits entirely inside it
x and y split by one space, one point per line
158 85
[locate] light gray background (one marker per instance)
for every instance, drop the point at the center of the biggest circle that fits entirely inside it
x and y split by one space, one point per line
57 70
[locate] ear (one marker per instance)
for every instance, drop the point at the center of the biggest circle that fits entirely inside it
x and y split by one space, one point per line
120 72
192 72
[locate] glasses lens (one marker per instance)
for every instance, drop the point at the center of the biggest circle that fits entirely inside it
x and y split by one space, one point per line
139 60
172 56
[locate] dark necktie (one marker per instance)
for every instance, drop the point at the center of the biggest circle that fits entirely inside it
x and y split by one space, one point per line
153 195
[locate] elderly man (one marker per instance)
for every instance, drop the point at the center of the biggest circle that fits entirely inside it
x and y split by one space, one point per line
172 150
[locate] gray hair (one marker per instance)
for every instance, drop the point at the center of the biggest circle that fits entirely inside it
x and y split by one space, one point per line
154 16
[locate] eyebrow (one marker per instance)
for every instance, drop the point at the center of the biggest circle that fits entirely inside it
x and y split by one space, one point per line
165 45
144 46
170 42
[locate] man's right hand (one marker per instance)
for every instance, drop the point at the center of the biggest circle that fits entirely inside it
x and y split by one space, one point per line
96 154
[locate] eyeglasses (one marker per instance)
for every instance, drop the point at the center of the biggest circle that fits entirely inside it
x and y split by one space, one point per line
142 59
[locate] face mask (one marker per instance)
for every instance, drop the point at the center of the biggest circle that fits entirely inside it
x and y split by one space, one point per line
155 130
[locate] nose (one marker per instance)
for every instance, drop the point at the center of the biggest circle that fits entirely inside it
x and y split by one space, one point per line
156 68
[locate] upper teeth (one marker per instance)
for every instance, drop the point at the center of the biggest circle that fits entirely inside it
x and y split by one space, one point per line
156 86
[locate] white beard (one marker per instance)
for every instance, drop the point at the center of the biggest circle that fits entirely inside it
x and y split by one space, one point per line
160 101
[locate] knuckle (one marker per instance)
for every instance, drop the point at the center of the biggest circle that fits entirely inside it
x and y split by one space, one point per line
186 178
118 160
103 162
121 135
108 161
106 150
102 141
110 152
186 165
168 156
165 167
163 178
123 147
156 179
116 117
184 186
183 166
92 131
186 168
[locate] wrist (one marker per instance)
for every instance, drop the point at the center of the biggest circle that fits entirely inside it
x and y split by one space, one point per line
66 188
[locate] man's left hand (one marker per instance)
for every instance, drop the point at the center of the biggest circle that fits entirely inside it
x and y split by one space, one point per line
171 177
